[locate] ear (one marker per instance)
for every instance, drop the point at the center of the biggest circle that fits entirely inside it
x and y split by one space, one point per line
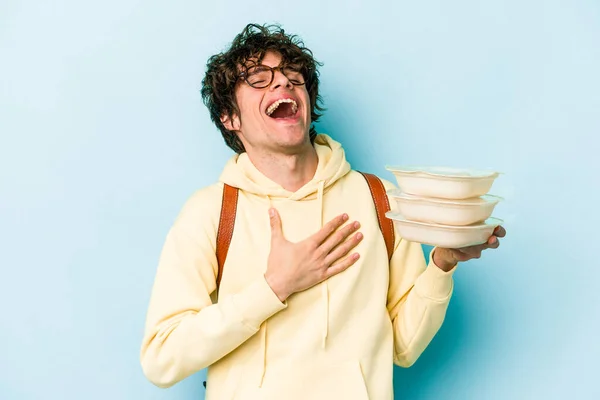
230 123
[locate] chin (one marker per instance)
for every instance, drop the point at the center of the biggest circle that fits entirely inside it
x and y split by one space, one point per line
295 136
293 139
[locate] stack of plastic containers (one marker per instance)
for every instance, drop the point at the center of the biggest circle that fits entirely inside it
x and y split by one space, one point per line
444 207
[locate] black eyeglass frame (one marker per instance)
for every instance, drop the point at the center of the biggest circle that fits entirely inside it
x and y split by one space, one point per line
245 76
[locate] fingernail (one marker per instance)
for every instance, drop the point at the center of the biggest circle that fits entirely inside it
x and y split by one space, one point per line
357 224
271 212
493 240
345 217
359 236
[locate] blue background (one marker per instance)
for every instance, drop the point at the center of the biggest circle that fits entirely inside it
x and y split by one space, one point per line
104 136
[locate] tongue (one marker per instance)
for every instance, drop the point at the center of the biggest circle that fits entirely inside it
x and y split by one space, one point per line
283 111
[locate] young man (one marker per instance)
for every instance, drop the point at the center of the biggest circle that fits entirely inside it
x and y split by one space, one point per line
309 305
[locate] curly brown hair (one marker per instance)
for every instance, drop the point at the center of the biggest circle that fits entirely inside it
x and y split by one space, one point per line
222 74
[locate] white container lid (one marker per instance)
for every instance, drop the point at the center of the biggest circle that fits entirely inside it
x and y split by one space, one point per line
475 201
491 221
444 172
446 236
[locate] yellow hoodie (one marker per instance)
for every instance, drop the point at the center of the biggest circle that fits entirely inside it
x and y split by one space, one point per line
336 340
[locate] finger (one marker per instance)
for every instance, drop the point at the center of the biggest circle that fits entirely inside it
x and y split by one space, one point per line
329 228
342 265
338 237
459 256
493 242
343 249
275 222
473 251
500 231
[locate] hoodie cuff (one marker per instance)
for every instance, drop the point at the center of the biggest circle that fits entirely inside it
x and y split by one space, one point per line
257 303
434 283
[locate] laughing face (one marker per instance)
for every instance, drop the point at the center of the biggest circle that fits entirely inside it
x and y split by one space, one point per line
275 118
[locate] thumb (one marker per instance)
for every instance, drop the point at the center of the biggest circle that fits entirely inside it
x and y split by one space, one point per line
276 231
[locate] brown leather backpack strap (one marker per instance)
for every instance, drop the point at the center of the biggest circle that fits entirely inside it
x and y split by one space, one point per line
226 224
382 205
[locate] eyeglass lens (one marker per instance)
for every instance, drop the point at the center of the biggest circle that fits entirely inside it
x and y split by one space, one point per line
261 76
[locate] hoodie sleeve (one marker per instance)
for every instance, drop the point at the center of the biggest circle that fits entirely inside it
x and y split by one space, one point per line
185 332
418 297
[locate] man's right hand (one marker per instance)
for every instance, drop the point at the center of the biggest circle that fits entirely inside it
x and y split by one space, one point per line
294 267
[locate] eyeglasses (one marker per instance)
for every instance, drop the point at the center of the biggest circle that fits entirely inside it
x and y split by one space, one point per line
261 76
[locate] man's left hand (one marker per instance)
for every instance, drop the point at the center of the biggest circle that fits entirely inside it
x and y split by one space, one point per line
446 259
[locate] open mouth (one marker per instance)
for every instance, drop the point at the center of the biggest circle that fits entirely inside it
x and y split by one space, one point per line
282 108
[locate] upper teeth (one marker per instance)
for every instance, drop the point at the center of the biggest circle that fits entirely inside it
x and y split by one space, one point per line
274 106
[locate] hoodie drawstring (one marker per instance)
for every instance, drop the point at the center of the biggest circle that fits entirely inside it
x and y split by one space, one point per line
263 335
324 295
263 342
320 189
324 286
332 166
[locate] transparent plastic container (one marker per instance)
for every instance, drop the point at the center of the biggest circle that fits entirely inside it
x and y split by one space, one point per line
444 211
443 182
446 236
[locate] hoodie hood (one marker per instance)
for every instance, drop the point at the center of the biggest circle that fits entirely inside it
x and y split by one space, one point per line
241 173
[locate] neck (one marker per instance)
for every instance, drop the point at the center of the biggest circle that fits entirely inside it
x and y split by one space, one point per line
291 171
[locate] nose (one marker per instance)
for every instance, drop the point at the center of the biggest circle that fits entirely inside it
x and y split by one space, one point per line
280 80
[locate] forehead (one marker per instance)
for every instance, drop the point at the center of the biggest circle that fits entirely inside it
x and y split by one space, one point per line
270 58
